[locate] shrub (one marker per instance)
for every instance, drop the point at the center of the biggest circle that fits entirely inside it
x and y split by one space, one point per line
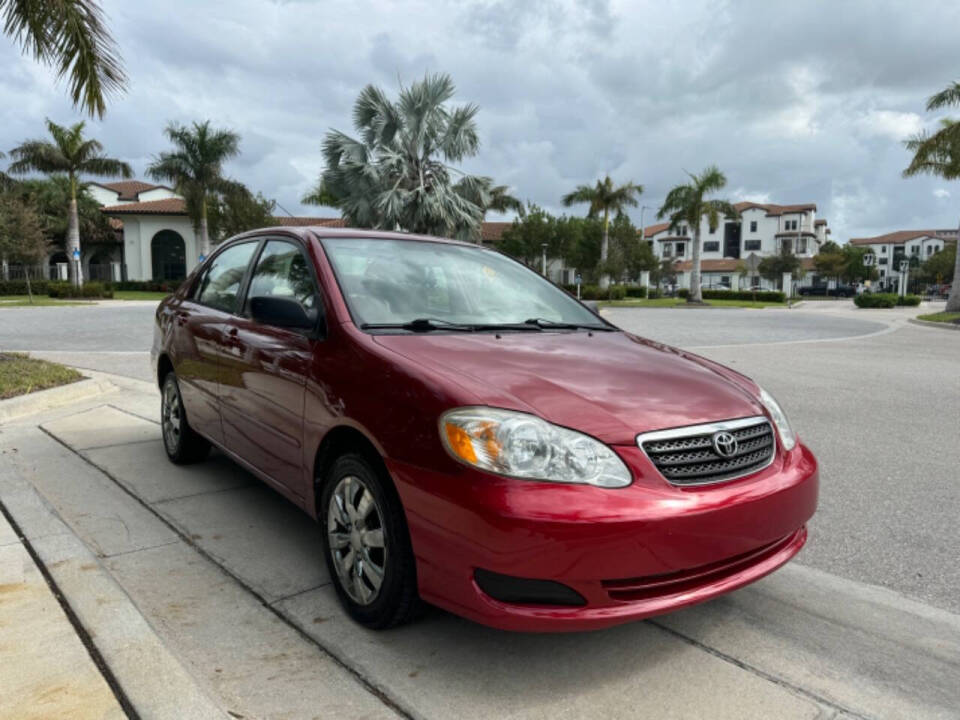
758 295
876 300
655 293
169 287
589 292
616 292
908 300
19 287
683 293
636 292
89 290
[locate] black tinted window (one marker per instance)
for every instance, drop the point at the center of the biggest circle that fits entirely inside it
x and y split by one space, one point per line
220 284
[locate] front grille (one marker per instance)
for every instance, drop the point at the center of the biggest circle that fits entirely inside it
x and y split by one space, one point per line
689 456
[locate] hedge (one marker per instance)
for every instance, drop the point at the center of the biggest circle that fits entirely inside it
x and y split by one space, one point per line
908 300
156 286
19 287
876 300
89 290
636 292
753 295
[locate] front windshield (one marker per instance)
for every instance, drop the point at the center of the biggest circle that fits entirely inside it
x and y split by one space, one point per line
392 282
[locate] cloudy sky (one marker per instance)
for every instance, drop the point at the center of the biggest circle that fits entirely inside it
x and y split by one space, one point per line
795 101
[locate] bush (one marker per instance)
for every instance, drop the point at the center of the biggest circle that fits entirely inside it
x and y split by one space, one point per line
655 293
758 295
616 292
876 300
589 292
636 292
19 287
89 290
169 287
908 300
683 293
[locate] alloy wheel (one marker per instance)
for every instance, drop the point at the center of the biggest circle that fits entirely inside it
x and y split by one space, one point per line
171 417
356 538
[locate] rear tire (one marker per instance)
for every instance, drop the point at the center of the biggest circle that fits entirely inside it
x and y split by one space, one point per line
182 443
367 545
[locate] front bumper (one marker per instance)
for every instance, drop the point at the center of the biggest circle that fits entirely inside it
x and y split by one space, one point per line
630 553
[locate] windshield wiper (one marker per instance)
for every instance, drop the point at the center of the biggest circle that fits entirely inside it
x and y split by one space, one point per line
553 325
420 325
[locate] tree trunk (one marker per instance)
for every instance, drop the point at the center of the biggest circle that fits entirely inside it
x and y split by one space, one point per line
27 278
695 296
953 302
204 232
605 248
74 267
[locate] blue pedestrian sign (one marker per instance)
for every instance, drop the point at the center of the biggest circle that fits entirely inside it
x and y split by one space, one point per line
76 254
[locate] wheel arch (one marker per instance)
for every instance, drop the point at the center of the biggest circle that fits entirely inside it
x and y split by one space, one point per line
164 366
341 440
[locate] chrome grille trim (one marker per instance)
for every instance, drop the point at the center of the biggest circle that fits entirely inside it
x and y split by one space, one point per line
685 456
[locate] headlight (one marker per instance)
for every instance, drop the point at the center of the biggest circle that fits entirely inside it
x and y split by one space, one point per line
524 446
779 417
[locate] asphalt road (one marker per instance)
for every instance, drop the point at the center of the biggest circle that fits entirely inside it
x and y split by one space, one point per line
877 399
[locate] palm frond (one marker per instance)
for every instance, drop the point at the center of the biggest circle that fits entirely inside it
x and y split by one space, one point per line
71 36
946 97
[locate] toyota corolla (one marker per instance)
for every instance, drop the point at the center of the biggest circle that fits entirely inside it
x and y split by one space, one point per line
469 435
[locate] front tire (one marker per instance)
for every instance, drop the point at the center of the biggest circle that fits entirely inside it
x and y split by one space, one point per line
182 443
366 545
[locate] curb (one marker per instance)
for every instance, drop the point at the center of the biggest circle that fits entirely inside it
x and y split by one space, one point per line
55 397
938 325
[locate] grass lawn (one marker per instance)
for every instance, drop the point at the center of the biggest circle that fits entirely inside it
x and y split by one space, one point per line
944 317
677 302
138 295
20 374
38 300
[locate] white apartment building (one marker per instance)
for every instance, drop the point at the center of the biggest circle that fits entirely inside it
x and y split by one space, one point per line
762 230
911 245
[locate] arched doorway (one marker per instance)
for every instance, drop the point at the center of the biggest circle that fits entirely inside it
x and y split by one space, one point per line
58 258
169 255
98 267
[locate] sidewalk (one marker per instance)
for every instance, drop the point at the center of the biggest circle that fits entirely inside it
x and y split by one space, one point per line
47 671
226 604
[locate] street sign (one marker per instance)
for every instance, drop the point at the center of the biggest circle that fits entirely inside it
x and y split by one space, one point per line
579 279
752 262
904 264
869 260
76 254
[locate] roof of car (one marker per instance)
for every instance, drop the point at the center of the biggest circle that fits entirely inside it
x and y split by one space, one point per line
320 232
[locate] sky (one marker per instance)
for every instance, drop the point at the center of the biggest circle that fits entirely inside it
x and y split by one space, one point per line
796 102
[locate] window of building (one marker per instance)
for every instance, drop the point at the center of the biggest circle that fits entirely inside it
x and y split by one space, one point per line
930 249
786 245
883 274
724 279
915 250
683 230
711 246
801 245
713 230
667 249
753 226
882 261
883 249
751 244
680 249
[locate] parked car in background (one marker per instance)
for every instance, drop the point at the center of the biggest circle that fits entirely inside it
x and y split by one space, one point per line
469 435
845 291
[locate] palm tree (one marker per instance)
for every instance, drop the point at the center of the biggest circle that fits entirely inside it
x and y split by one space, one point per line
605 199
320 195
688 204
398 174
195 168
938 154
71 36
488 197
72 155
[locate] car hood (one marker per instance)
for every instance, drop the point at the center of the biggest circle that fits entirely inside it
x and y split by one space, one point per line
611 385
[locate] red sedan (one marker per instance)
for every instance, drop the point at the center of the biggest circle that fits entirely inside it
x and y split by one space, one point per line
469 435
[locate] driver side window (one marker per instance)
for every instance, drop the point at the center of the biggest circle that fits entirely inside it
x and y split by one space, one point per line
282 271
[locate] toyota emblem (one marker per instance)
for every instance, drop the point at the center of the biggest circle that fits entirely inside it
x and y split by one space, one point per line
725 444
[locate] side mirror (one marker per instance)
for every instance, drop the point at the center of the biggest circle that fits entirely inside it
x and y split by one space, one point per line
280 312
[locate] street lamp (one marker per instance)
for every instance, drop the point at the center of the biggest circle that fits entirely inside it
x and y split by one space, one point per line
643 235
544 263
